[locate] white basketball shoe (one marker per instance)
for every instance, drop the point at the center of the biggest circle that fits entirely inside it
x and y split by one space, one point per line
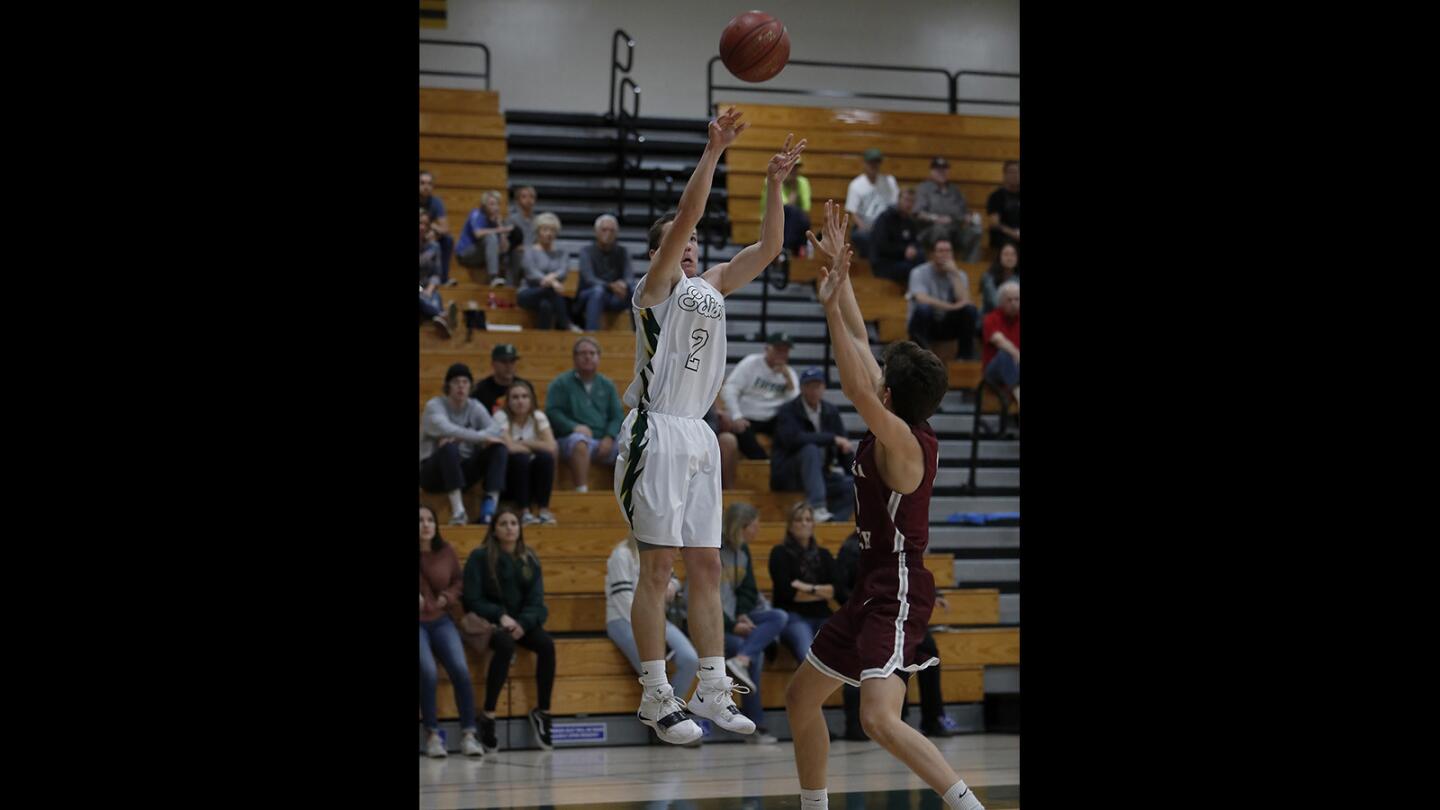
714 704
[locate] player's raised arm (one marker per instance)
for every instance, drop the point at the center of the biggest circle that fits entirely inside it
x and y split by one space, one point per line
753 260
835 229
665 269
905 469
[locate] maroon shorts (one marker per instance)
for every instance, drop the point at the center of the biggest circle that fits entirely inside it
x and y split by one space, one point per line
876 632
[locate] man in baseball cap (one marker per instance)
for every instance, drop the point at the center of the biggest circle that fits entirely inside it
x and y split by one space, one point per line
940 207
757 387
870 193
491 390
812 451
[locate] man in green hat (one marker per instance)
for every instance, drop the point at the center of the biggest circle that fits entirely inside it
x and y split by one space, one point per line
754 392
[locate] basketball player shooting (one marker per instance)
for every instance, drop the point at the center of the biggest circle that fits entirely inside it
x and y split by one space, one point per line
872 640
668 468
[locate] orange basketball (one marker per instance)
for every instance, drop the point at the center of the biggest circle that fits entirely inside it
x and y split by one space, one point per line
755 47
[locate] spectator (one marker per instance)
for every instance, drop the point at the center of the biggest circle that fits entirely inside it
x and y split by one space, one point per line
522 216
1000 333
796 206
802 574
460 445
546 266
491 390
1003 209
933 722
750 624
484 238
1005 267
431 274
440 596
585 410
869 194
531 469
940 206
607 281
434 206
729 446
622 571
756 388
940 306
503 585
895 240
812 451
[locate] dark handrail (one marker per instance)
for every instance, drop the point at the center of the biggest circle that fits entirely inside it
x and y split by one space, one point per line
624 129
616 67
480 45
951 99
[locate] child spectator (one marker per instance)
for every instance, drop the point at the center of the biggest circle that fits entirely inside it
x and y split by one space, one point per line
531 468
439 597
802 574
503 585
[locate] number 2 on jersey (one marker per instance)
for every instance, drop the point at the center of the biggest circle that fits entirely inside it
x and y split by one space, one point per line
701 337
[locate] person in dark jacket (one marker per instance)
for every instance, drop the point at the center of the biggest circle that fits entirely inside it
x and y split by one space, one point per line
803 576
895 240
932 702
812 453
503 584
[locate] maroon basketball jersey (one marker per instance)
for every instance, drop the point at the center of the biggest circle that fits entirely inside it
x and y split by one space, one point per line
890 523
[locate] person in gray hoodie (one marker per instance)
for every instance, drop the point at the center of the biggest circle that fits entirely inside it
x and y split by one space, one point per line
461 444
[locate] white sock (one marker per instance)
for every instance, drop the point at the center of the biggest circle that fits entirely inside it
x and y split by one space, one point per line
583 488
712 671
457 504
960 796
814 799
652 675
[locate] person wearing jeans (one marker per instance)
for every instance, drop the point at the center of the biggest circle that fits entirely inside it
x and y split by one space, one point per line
940 307
803 575
1000 333
750 624
812 451
481 238
439 596
503 585
622 571
546 266
460 445
607 281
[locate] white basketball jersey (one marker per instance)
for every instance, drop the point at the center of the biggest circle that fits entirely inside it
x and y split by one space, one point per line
679 350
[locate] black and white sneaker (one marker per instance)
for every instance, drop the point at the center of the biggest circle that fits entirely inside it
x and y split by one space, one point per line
716 706
487 734
665 713
540 722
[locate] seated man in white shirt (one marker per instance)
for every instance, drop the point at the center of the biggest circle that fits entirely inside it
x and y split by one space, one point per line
755 390
869 195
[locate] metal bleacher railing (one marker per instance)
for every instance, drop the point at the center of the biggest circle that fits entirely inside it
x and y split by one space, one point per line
456 73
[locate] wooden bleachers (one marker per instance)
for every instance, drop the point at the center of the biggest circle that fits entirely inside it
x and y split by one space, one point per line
976 147
462 141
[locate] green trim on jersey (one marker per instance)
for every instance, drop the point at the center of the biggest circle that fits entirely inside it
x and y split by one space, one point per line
649 337
632 463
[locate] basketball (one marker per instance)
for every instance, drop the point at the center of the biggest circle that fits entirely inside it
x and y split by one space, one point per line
755 47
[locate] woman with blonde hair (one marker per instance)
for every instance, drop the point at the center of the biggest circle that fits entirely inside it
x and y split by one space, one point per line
803 575
479 246
750 623
543 289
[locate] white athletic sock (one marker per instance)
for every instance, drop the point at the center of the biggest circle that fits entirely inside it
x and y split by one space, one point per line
814 799
961 796
652 675
712 671
583 488
457 504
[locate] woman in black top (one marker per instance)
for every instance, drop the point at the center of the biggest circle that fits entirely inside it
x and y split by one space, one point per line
503 584
803 576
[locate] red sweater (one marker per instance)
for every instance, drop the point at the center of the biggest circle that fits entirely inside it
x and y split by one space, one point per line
439 573
997 322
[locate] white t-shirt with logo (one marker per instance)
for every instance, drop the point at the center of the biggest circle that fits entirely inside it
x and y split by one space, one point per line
754 391
870 200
